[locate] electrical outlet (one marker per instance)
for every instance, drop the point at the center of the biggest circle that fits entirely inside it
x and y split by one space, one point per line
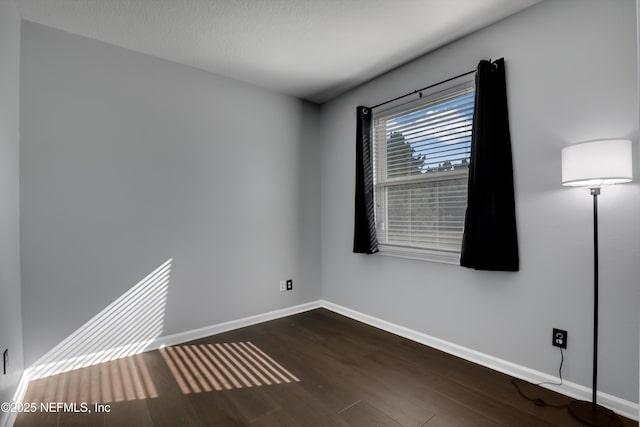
5 361
560 338
289 284
283 285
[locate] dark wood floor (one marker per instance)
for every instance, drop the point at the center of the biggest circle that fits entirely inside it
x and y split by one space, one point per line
312 369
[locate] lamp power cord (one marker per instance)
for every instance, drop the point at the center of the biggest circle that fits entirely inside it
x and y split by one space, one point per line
537 400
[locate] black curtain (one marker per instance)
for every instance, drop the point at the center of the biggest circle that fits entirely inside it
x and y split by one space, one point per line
490 240
364 230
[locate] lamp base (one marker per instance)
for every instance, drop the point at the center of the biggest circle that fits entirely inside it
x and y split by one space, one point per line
596 416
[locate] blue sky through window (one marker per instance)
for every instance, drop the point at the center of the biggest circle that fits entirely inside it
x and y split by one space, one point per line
440 133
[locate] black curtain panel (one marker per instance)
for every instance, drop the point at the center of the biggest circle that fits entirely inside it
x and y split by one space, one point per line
490 240
364 230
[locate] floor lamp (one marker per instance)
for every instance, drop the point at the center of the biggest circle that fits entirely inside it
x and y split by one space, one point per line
595 164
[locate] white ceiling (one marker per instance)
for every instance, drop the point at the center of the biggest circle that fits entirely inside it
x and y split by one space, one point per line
312 49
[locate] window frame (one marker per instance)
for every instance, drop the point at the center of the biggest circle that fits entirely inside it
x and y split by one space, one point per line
441 255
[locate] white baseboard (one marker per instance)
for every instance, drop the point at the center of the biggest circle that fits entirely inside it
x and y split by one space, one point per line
576 391
206 331
620 406
8 419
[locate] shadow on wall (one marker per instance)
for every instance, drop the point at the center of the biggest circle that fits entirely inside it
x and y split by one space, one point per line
124 328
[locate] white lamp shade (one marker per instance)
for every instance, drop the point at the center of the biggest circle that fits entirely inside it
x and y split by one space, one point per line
597 163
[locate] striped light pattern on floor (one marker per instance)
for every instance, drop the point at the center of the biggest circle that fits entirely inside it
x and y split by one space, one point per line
223 366
116 381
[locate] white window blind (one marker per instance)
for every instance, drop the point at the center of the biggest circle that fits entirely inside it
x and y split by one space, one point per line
421 161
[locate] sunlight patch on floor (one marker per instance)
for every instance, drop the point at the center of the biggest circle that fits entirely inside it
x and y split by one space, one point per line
223 366
119 380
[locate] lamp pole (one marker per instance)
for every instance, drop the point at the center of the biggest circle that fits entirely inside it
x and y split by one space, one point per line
595 192
591 413
593 164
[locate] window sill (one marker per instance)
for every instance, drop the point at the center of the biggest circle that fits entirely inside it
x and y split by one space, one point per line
444 257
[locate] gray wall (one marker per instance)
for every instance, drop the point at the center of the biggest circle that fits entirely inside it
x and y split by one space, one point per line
129 160
10 306
638 151
572 76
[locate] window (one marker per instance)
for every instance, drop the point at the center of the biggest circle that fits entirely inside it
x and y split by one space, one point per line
421 168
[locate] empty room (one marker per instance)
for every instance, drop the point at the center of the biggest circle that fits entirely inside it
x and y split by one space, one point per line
319 213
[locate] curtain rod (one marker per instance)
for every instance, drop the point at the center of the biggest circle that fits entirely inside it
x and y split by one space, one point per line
424 88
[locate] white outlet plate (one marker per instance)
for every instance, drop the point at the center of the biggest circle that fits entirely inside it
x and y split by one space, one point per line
283 285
